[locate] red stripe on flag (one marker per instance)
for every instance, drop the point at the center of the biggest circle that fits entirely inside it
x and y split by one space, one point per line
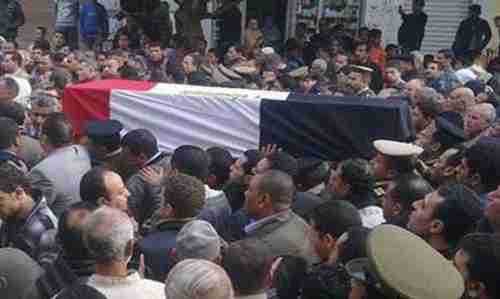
90 101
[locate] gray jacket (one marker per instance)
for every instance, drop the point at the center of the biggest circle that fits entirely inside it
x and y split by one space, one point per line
66 12
58 176
284 233
145 198
31 151
216 209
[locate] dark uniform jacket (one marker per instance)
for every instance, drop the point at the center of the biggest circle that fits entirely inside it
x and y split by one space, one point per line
157 246
30 234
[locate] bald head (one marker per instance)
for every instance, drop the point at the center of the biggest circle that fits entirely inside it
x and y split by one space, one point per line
109 235
413 88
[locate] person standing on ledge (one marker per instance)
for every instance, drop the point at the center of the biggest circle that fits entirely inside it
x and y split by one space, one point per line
412 30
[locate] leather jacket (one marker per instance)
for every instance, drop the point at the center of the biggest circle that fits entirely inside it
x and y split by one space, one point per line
33 234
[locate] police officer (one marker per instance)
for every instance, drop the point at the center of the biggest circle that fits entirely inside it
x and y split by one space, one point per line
359 80
393 158
104 143
401 265
449 133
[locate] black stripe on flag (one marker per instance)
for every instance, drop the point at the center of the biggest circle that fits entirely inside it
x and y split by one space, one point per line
333 128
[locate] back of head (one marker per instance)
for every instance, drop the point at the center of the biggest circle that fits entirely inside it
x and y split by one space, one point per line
335 217
283 162
483 265
13 110
8 133
198 279
312 172
354 245
198 240
57 130
250 159
79 291
19 273
185 194
408 188
358 174
12 178
109 235
140 141
92 185
70 230
429 103
191 160
220 165
485 149
44 100
247 263
460 212
280 188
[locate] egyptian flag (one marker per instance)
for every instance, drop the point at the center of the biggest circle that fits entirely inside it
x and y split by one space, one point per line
331 128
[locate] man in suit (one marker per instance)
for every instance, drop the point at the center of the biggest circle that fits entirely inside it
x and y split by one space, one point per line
58 176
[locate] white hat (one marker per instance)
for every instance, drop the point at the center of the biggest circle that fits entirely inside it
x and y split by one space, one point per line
267 50
362 69
299 72
397 149
199 240
465 75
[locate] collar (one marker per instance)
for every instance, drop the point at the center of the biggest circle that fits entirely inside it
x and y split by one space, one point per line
209 192
317 190
363 90
172 224
255 296
152 158
113 153
40 202
262 222
132 278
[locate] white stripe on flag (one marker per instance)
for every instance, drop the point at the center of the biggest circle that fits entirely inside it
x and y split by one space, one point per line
206 117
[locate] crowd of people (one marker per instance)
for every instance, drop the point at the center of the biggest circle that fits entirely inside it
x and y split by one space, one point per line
109 215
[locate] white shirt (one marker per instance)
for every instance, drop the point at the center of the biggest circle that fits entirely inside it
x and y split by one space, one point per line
372 216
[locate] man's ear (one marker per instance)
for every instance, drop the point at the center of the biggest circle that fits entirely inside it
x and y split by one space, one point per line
397 208
329 240
129 248
102 201
211 180
437 227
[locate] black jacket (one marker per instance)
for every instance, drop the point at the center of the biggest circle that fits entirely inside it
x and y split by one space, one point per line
31 235
157 247
412 31
469 27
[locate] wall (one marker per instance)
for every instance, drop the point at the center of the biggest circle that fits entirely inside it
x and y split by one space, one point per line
38 13
492 10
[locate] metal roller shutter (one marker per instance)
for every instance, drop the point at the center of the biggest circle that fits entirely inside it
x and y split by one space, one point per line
444 17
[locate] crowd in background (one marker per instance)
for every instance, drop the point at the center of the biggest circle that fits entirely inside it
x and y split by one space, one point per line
112 216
